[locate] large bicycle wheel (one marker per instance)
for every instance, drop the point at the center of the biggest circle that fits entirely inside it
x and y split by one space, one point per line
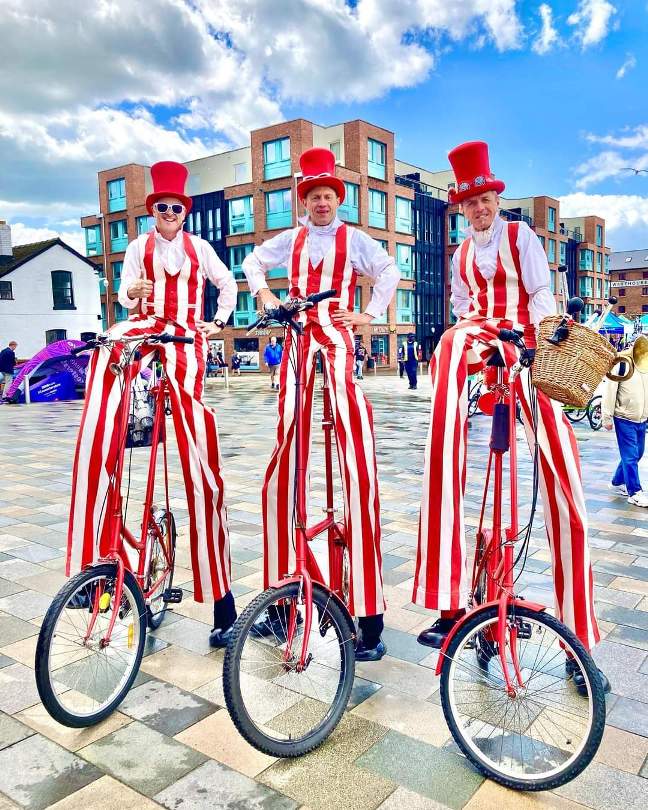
594 414
547 733
79 680
574 414
279 710
161 549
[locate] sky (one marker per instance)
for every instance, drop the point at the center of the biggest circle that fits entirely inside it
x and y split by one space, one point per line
558 89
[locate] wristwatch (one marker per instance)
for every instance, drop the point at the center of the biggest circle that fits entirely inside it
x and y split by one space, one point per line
219 323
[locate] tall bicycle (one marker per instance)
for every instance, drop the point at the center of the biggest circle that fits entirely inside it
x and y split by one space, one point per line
91 641
507 666
290 664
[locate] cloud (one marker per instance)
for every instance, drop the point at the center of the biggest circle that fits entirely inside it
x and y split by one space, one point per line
592 21
624 151
626 216
548 36
22 234
630 62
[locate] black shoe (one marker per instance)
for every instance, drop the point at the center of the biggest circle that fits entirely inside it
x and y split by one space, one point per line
274 623
412 388
220 638
572 668
436 635
363 653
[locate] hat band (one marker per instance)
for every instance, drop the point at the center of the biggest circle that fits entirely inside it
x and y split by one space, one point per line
317 176
480 180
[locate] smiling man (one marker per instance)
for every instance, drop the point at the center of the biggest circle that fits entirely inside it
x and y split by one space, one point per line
325 254
500 279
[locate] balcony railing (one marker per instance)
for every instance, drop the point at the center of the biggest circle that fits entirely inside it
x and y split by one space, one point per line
514 216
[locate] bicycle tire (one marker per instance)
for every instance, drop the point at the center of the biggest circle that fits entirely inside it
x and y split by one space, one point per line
574 414
343 625
597 709
154 620
594 413
44 684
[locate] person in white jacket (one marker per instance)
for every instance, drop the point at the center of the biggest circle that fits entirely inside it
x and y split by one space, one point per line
625 408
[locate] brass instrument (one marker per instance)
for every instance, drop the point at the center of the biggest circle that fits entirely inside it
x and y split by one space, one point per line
634 357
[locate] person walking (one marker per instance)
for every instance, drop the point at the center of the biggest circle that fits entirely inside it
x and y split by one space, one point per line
411 360
360 359
272 358
7 365
401 360
236 363
322 253
624 409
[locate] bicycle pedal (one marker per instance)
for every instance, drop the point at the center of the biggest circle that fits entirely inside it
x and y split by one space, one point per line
172 596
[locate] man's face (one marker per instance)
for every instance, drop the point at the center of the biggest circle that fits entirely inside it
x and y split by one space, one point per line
322 204
13 345
480 210
273 341
169 223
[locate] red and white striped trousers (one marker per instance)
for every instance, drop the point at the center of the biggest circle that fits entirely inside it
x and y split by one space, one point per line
197 435
441 580
355 445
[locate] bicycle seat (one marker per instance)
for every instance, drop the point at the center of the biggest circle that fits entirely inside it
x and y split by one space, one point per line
496 360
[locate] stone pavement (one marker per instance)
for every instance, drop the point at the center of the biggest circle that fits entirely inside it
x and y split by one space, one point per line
172 744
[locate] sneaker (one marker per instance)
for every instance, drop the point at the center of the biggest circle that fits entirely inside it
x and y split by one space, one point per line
618 489
639 499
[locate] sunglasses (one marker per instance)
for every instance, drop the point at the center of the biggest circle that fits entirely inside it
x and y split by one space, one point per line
162 208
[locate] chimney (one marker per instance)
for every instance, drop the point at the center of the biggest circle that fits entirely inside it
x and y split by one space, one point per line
5 239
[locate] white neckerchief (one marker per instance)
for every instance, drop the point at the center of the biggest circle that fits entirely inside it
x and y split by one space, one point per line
320 238
484 238
171 252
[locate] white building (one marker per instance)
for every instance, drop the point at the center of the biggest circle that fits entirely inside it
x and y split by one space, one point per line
48 292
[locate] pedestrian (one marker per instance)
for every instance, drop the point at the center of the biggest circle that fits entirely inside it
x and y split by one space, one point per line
323 253
7 365
411 360
360 358
401 361
500 279
220 363
163 282
211 364
624 408
236 363
272 358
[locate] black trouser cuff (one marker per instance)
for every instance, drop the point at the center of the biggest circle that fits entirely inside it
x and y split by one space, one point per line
371 628
224 611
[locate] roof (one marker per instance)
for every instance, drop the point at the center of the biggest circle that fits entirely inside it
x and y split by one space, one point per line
629 259
24 253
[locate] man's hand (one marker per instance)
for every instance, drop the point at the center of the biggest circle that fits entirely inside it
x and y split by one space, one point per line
608 426
208 328
266 297
351 319
141 288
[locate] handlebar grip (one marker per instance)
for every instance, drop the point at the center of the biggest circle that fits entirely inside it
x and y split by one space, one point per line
509 335
165 338
79 349
315 298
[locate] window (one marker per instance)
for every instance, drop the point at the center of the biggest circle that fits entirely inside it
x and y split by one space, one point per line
599 288
621 292
542 241
377 159
116 273
241 215
644 274
607 263
599 236
381 318
644 290
335 148
622 276
240 173
236 255
586 259
144 224
120 313
551 250
551 225
278 209
62 291
563 252
93 241
118 236
348 211
6 291
245 312
404 260
276 159
404 215
377 209
585 286
552 274
104 317
607 289
357 300
599 261
404 301
52 335
116 195
214 232
644 307
457 229
621 309
277 272
248 350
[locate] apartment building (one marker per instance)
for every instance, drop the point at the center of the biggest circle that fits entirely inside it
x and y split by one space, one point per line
629 282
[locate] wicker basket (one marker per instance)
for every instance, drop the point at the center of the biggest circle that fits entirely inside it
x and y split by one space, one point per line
571 371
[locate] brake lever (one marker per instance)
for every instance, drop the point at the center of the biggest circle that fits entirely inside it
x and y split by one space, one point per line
296 326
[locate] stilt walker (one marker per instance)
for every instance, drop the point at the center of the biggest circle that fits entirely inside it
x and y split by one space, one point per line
162 284
500 277
325 254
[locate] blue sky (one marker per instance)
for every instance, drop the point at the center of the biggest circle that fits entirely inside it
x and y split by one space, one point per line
557 88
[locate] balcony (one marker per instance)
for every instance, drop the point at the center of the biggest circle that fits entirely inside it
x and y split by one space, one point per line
515 216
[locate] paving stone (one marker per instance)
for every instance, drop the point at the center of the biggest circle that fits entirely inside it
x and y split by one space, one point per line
7 588
165 707
619 615
15 569
400 675
38 719
36 553
214 786
105 794
414 717
181 667
14 629
621 750
142 758
404 646
627 714
24 605
621 664
417 765
402 798
491 795
11 731
361 691
36 773
6 661
605 788
186 633
17 688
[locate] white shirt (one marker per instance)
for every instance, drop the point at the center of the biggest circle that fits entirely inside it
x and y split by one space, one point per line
368 258
536 276
171 254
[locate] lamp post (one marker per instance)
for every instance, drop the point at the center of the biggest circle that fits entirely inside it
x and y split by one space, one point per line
102 219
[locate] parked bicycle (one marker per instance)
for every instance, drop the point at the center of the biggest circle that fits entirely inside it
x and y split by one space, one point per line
592 411
91 641
507 666
286 691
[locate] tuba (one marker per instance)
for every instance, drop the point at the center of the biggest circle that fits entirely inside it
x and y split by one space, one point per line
634 357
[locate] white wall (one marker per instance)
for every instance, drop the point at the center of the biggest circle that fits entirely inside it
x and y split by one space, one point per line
215 172
31 312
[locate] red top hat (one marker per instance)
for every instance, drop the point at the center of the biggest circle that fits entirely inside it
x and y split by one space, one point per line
169 180
472 172
318 169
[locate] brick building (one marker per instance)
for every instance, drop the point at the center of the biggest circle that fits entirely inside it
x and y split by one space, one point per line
629 282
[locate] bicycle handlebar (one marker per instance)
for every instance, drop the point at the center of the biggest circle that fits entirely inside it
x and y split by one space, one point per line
284 313
106 340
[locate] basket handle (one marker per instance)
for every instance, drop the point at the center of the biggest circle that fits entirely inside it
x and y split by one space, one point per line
621 357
